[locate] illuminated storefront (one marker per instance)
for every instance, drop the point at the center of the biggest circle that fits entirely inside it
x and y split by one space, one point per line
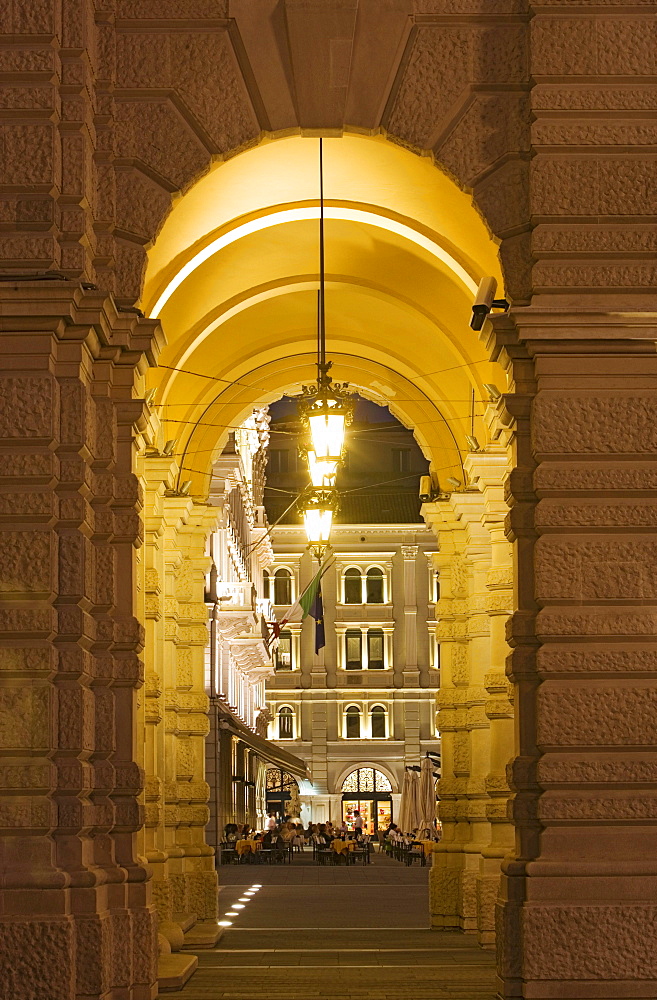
368 792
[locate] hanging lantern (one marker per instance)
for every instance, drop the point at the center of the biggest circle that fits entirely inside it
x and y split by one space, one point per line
326 410
318 508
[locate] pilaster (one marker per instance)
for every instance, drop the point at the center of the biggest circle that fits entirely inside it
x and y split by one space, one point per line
474 707
581 883
76 911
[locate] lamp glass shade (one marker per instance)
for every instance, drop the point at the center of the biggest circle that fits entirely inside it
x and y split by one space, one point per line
322 473
327 429
317 522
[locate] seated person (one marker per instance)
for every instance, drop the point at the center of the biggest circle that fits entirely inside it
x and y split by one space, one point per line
230 832
272 840
322 837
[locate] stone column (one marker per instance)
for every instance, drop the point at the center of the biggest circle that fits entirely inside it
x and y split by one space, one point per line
158 475
475 713
488 472
184 884
463 633
576 914
77 920
409 555
191 869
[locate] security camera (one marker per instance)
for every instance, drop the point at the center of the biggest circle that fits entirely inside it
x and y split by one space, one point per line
425 489
485 301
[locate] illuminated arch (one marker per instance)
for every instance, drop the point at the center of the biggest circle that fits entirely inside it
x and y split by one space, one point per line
233 277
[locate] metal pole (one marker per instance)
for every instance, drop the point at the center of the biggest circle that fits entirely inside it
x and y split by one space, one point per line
322 316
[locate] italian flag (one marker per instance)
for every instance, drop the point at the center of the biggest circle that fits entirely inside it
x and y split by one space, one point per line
303 607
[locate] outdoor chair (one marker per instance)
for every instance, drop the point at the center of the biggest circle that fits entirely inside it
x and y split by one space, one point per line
228 853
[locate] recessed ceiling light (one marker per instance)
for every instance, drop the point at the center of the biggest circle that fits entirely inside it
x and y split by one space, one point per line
225 923
232 914
238 906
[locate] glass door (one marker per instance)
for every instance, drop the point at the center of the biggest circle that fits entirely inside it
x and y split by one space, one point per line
383 815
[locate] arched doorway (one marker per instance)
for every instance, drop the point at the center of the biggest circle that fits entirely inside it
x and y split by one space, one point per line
281 786
367 791
232 278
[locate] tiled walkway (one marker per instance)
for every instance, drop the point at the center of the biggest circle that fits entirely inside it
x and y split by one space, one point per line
335 933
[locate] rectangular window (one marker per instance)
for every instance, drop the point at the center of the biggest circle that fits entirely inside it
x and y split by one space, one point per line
375 650
354 650
378 723
285 724
279 461
401 459
284 652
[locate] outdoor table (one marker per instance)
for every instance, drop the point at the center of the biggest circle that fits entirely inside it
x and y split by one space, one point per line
342 846
429 846
246 846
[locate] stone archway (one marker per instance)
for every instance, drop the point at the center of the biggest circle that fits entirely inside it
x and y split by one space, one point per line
233 277
89 180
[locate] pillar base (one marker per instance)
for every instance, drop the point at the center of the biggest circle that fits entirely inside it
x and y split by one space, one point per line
173 971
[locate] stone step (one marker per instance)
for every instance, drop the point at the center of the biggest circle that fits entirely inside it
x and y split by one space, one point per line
173 971
186 920
204 934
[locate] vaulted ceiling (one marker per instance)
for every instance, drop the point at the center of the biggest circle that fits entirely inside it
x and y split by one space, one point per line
233 278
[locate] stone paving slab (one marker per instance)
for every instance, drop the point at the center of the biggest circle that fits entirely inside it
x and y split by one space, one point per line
324 933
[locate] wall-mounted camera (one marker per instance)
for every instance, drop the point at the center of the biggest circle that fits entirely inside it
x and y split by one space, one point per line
426 492
485 301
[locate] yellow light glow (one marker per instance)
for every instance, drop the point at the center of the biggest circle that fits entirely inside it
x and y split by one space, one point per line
322 474
299 214
317 523
233 276
238 906
327 432
225 923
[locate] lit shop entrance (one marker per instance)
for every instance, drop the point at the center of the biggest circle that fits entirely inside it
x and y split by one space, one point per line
368 792
282 788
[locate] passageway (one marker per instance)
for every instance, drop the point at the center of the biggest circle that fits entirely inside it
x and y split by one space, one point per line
336 933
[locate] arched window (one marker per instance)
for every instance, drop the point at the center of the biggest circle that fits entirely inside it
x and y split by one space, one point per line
283 655
366 779
353 649
266 585
280 781
282 587
378 722
285 723
375 649
374 586
353 592
352 723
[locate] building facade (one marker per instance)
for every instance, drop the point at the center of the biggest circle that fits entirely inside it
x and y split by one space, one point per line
238 656
367 702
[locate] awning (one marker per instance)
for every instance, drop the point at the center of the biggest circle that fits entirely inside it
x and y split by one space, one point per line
270 752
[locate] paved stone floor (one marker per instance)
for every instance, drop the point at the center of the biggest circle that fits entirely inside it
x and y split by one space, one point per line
335 933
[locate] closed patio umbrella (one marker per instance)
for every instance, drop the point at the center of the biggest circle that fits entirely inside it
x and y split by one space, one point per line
402 818
427 795
414 801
